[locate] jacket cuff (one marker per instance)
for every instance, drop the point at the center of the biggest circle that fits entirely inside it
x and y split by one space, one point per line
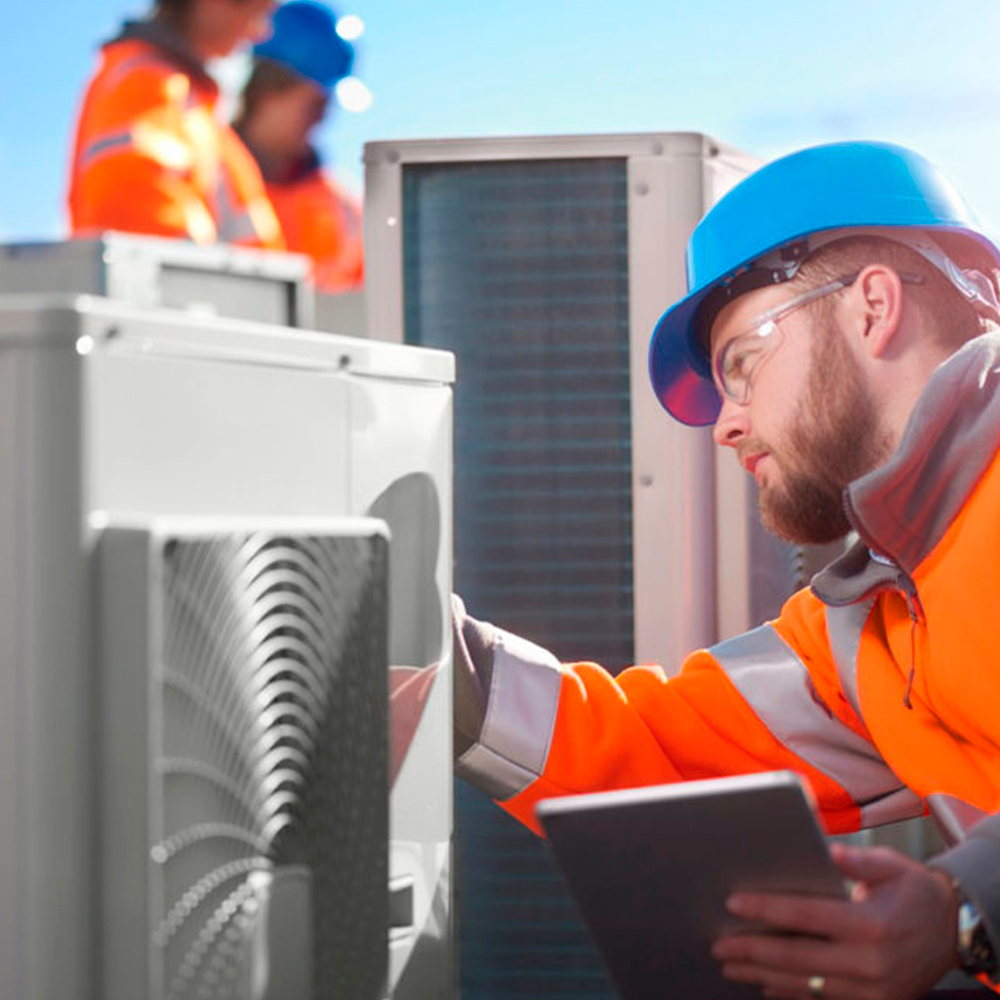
506 746
975 865
472 657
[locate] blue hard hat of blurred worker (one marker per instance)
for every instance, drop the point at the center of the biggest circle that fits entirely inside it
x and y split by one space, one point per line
305 39
760 232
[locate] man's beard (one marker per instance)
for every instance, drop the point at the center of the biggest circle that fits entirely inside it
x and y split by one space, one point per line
833 439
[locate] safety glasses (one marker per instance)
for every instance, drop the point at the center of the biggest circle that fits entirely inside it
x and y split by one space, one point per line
736 363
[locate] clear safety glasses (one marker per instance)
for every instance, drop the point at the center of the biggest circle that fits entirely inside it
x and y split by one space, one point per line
743 354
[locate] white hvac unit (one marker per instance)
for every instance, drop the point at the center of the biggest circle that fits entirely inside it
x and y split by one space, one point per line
544 263
216 280
585 517
126 625
241 675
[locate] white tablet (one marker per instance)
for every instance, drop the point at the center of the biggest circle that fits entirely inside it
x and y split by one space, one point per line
650 869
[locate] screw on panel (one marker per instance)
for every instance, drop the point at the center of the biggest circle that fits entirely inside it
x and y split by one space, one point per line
657 149
344 361
642 188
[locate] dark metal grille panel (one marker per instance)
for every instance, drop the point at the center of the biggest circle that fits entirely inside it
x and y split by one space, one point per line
521 269
270 878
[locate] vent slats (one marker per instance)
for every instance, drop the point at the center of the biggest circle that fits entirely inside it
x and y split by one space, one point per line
521 269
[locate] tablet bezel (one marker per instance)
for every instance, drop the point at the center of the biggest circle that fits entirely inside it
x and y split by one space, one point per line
650 869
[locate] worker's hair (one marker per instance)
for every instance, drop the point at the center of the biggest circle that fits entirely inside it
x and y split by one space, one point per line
172 9
267 77
950 319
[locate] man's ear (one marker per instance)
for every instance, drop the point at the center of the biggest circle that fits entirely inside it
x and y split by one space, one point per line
879 299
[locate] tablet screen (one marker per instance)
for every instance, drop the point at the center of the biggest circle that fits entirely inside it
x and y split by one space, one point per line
650 869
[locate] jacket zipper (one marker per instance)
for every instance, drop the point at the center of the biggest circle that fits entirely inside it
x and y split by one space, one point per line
910 595
916 612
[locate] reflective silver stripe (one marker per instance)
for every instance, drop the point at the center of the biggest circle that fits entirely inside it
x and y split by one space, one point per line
126 66
844 627
491 773
897 805
777 686
232 223
520 719
106 144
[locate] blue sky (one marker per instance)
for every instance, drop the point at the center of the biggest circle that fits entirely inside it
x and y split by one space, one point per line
766 77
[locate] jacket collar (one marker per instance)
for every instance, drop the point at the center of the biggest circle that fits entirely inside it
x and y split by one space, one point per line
902 509
170 45
309 163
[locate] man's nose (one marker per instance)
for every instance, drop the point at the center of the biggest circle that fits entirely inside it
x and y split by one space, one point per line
732 423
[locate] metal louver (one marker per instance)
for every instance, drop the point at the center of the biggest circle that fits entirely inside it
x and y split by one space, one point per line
521 269
266 867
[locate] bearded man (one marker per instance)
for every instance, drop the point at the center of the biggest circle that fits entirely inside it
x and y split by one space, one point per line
840 332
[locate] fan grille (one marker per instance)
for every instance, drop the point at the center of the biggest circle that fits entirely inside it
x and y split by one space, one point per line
269 867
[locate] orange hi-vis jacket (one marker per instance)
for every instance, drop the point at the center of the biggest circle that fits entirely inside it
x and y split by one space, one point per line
321 220
881 683
151 156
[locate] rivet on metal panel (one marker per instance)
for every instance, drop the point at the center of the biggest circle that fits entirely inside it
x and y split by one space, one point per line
657 149
642 188
344 361
392 156
112 332
713 150
645 479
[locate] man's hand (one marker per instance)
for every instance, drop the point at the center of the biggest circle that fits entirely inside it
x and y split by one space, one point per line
893 940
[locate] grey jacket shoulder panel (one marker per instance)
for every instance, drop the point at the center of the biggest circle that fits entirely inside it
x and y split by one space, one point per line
903 508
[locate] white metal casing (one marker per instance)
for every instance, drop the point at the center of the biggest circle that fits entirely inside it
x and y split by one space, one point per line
703 567
151 271
110 411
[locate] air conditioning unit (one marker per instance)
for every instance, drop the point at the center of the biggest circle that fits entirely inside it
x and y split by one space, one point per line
113 415
586 519
241 679
151 271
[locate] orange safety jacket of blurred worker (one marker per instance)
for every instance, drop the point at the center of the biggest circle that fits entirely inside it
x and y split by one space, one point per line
320 219
151 156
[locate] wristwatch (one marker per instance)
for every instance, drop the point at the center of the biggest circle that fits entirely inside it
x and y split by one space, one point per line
975 951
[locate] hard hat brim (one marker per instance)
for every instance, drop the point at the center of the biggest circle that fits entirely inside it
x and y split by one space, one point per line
840 186
678 367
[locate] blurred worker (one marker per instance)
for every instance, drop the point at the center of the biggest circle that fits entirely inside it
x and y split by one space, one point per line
151 155
285 99
841 333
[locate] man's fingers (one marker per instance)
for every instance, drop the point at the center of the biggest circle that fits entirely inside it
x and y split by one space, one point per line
869 864
794 954
814 915
793 985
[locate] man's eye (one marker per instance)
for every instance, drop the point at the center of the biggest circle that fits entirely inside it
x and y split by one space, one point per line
739 363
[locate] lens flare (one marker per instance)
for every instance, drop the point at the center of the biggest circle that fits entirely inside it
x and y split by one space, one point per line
350 27
353 95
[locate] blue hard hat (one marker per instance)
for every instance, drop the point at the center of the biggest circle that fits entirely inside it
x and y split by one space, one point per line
838 186
305 39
